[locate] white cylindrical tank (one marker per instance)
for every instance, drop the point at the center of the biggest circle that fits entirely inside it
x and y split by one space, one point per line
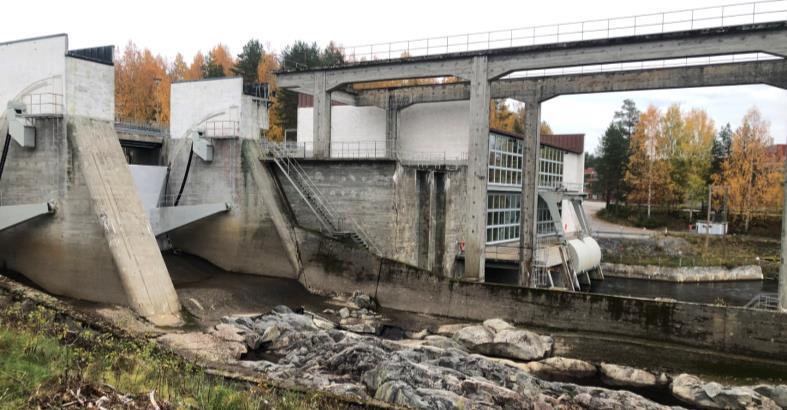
585 254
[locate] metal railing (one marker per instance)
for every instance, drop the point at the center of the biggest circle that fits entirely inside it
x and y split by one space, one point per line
222 129
654 23
382 149
333 223
764 301
43 103
155 129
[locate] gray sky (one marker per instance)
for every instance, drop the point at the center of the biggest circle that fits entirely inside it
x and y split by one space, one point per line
168 27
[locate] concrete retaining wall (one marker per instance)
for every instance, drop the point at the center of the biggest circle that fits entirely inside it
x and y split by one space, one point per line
254 237
332 267
392 203
688 274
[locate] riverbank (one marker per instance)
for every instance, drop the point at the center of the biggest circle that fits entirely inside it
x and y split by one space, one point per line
683 274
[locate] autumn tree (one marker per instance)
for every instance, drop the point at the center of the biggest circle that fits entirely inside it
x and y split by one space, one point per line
219 62
196 70
177 72
696 153
648 173
141 86
751 172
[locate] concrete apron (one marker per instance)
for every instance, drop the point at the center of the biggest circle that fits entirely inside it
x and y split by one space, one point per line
99 245
638 327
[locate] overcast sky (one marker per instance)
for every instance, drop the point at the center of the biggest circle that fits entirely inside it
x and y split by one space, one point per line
168 27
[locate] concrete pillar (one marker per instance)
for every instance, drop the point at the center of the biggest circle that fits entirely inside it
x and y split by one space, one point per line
322 117
529 203
783 260
477 167
391 126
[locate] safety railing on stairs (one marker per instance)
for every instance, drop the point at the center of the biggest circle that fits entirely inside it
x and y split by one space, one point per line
332 222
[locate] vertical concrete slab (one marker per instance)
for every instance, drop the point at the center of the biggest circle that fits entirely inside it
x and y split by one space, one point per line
477 166
529 203
322 118
123 221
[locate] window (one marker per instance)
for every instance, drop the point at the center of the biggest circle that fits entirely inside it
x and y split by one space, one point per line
550 167
505 160
545 226
502 217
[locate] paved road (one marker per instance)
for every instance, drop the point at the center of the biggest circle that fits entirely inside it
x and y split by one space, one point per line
598 225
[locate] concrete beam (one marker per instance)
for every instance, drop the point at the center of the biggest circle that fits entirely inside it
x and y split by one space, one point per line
698 43
167 219
13 215
773 73
336 95
767 37
529 202
477 169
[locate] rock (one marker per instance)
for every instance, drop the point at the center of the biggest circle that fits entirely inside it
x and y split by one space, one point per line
625 376
516 344
204 346
417 335
450 330
496 325
322 323
344 313
693 391
561 368
358 325
281 309
472 336
443 342
776 393
228 332
400 393
363 301
271 334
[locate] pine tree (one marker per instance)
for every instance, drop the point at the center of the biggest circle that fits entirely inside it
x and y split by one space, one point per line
249 61
611 162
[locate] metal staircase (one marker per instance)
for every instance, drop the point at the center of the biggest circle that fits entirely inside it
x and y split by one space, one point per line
333 224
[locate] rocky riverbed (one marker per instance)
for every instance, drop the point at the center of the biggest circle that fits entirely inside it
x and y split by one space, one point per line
479 366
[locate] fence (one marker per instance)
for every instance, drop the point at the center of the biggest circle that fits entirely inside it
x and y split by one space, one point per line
382 149
655 23
146 128
43 103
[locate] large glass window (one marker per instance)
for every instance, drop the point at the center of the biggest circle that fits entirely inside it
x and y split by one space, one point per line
505 160
545 226
502 217
550 167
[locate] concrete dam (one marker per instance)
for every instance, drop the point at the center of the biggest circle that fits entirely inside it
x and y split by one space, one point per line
88 203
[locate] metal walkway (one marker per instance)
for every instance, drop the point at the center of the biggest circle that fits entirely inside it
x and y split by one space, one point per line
333 224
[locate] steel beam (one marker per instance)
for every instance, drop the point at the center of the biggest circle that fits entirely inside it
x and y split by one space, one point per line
167 219
13 215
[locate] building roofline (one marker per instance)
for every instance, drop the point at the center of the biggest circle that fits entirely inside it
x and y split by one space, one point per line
25 40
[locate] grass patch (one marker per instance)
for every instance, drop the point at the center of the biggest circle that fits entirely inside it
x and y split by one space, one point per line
46 357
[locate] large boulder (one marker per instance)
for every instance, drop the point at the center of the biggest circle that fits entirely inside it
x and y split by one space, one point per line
697 393
561 368
777 393
625 376
496 325
517 344
472 336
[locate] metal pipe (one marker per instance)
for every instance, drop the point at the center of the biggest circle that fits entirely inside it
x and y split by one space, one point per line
6 148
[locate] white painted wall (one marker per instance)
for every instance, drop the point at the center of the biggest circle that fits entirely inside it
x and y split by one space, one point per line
435 128
34 66
355 131
192 103
90 89
573 177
